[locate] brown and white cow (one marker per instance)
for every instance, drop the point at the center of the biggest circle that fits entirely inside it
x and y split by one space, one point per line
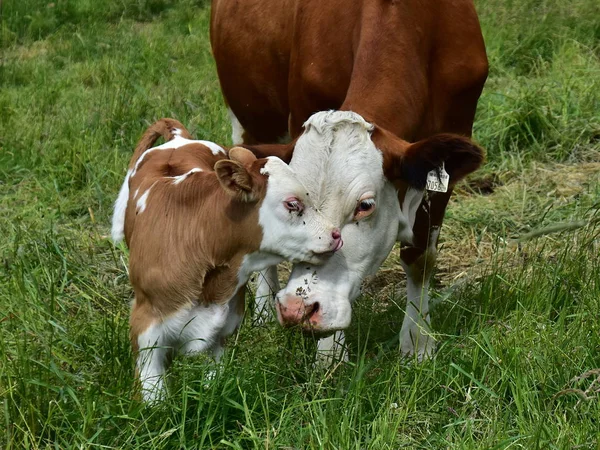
197 225
409 71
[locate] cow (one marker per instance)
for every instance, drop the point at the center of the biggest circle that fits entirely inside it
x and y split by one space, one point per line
413 71
198 222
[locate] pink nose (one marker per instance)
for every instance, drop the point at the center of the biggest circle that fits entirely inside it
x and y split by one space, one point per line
295 311
337 239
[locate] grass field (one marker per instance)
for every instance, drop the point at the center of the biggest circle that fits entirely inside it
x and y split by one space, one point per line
518 283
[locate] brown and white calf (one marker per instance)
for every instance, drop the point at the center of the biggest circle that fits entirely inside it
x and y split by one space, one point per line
198 222
413 71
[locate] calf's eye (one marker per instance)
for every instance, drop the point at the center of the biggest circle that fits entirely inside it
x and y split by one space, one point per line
293 204
364 208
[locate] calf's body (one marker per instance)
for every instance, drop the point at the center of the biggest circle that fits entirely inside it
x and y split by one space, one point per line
197 224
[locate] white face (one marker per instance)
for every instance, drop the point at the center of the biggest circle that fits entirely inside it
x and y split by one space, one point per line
348 186
292 226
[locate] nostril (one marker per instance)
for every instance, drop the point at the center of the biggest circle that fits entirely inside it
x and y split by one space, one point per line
311 310
336 234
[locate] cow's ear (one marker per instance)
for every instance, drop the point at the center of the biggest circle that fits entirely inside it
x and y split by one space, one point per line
412 162
282 151
236 180
242 155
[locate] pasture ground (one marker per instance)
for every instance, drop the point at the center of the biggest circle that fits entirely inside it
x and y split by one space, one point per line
517 321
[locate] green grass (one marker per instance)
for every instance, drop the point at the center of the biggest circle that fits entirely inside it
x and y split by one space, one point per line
518 334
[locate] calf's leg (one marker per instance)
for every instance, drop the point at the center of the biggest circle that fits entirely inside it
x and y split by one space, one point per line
151 351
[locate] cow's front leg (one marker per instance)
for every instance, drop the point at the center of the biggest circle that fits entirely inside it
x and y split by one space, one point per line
266 287
415 335
332 349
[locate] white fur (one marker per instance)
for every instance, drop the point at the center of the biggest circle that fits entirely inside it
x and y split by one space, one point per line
179 178
214 148
190 330
118 222
415 337
332 349
293 236
237 131
142 201
339 163
254 262
410 206
175 143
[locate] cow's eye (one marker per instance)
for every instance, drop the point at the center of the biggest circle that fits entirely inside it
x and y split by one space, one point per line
364 208
293 204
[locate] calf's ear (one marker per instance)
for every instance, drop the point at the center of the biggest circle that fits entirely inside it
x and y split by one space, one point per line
412 162
236 180
242 155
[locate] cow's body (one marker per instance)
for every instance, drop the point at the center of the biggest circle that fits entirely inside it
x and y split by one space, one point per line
197 225
412 68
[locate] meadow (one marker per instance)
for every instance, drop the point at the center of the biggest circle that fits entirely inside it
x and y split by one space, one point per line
517 289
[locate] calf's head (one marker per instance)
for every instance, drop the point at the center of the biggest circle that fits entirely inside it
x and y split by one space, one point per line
369 183
292 227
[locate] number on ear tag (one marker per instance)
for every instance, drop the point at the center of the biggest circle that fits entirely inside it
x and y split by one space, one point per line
438 184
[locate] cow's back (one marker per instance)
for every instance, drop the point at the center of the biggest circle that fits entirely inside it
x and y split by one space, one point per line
251 42
415 68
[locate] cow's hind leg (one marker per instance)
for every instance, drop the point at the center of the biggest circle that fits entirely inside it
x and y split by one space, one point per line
150 346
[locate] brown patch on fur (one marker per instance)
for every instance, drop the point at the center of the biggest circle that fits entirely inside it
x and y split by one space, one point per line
188 244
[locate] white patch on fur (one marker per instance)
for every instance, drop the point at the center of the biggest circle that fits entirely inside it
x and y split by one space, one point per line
137 191
177 131
142 201
410 206
179 178
332 349
118 222
190 330
214 148
255 262
237 131
175 143
433 238
415 337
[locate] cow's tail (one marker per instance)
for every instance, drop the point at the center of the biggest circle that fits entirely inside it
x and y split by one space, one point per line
166 128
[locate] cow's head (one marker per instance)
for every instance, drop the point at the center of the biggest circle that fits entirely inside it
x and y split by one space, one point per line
292 226
355 174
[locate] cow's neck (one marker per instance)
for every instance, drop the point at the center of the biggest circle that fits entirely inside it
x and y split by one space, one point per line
389 84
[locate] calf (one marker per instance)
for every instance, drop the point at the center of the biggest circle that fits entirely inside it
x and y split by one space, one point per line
197 223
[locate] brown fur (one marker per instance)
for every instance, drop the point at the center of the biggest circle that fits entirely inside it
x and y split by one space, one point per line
414 68
188 244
